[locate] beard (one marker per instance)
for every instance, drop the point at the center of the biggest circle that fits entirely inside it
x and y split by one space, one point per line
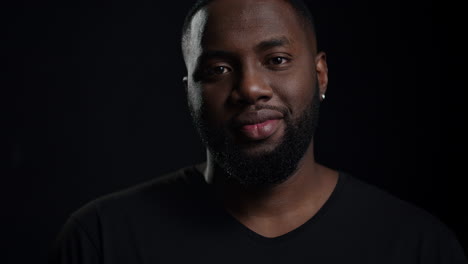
265 168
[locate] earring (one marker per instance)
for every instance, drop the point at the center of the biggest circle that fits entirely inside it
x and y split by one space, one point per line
323 96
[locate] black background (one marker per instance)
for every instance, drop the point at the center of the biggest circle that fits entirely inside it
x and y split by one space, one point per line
95 104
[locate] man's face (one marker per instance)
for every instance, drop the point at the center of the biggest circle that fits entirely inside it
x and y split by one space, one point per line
252 87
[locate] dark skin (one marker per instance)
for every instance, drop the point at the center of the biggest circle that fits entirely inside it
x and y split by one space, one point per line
252 52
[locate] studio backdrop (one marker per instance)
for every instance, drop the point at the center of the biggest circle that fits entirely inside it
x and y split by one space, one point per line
98 105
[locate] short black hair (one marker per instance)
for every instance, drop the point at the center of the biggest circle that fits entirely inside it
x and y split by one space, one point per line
298 5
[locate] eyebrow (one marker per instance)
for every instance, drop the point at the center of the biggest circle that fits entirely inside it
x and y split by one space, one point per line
273 42
216 54
263 45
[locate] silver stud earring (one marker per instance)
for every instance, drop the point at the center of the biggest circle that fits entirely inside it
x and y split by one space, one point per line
323 96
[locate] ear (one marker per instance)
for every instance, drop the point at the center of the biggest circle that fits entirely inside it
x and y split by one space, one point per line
185 81
322 73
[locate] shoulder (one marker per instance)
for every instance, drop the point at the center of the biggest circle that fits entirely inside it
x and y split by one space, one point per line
378 203
109 218
171 185
401 222
157 197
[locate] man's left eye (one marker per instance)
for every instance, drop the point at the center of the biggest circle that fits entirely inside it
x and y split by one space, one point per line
278 60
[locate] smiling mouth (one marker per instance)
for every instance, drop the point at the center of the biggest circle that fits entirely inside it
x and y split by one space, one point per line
257 125
259 131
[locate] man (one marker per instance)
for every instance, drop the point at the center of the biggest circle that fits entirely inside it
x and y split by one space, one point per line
254 85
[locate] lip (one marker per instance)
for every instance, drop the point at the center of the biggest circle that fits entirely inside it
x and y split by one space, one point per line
256 117
258 125
260 131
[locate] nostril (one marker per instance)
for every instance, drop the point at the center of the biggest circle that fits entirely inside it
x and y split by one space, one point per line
264 98
251 94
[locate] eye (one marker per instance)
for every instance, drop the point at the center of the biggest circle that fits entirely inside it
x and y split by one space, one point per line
278 60
218 70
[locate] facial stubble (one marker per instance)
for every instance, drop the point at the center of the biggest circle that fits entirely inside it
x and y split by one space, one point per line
262 169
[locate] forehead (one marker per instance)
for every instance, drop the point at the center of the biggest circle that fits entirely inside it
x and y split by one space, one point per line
240 24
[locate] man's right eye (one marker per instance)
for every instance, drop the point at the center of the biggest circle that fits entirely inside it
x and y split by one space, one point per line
217 70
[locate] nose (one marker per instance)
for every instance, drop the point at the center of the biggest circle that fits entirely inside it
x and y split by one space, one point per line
251 87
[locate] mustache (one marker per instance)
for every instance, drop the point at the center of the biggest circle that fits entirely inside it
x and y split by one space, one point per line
258 107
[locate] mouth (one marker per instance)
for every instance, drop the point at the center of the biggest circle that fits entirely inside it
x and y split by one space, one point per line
260 131
257 125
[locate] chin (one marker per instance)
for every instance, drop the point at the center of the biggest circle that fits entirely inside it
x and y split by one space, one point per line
258 149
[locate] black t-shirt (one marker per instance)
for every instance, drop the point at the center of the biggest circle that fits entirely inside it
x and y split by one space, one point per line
173 220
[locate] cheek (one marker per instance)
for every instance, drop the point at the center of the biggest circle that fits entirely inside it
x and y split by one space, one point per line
295 89
194 98
212 99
